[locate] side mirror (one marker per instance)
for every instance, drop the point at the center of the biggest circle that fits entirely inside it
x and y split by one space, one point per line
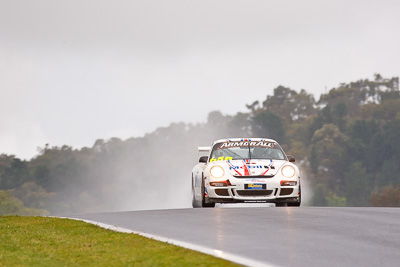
203 159
291 158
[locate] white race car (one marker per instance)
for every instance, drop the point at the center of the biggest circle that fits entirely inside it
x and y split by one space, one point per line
245 170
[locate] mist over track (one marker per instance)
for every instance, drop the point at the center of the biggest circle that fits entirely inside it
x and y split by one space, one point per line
305 236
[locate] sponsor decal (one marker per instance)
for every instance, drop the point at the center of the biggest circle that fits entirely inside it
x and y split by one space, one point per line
255 186
246 143
255 167
221 159
268 167
248 166
251 181
231 167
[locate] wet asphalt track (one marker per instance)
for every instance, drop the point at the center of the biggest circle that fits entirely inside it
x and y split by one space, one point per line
305 236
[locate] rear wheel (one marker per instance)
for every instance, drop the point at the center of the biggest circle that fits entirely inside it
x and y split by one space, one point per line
203 197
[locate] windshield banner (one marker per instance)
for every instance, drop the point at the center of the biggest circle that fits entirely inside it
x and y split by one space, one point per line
240 143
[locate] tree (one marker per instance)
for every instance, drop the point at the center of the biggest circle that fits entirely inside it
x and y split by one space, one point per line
388 197
253 106
329 145
289 104
33 196
364 130
269 125
15 175
10 205
332 200
357 185
314 160
42 175
364 143
388 174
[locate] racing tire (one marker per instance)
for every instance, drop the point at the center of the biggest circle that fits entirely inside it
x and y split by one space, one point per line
295 204
203 201
195 203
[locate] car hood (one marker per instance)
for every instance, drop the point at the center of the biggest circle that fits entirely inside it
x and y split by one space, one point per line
254 167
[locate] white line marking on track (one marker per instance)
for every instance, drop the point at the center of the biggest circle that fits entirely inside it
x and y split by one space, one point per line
213 252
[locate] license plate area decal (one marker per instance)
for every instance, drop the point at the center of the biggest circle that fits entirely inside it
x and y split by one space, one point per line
255 186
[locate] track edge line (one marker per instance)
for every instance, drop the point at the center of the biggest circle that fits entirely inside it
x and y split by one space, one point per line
213 252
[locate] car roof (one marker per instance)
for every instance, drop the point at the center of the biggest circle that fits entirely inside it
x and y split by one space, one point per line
255 139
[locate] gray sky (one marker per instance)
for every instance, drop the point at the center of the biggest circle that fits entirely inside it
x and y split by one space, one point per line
75 71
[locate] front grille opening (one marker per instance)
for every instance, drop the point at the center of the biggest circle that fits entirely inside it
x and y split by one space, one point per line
222 192
233 192
254 193
286 191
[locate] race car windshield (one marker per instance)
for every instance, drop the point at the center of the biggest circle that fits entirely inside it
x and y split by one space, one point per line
246 150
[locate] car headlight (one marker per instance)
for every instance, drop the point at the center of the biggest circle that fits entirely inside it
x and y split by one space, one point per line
217 171
288 171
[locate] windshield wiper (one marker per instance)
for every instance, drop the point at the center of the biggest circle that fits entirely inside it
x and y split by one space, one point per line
249 151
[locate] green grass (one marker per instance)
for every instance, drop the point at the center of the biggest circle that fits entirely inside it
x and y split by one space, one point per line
43 241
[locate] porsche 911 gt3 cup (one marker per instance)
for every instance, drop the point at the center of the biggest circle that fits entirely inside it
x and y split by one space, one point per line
245 170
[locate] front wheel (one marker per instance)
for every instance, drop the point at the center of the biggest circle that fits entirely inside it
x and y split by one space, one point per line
296 204
195 202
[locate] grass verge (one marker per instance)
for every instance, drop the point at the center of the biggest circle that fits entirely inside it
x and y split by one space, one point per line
43 241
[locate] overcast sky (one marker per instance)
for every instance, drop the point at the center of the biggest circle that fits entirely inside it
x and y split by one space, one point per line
75 71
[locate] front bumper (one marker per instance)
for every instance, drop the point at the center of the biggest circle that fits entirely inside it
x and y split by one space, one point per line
273 193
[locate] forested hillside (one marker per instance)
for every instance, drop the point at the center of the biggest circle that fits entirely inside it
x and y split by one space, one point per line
347 144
